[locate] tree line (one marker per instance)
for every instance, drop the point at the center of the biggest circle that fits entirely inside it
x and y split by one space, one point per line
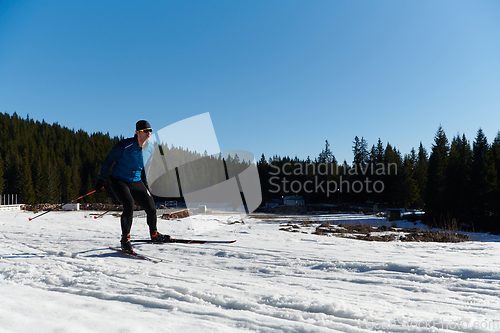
457 184
44 163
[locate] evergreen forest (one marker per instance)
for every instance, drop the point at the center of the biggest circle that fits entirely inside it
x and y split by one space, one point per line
457 182
43 163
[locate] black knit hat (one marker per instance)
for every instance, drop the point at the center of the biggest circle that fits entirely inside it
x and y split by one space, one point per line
142 125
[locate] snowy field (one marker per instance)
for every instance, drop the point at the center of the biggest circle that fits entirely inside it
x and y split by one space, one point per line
58 275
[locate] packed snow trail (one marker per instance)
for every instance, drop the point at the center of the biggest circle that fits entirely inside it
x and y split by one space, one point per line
57 274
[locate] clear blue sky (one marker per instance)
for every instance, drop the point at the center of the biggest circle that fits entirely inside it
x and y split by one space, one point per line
278 77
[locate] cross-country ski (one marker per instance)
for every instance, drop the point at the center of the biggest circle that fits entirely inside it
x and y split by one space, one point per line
184 241
136 255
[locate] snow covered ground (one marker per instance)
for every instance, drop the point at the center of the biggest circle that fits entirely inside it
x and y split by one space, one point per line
58 275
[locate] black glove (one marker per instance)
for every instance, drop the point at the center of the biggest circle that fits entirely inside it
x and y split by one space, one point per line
99 186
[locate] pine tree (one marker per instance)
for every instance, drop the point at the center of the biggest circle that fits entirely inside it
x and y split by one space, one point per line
360 150
458 186
379 152
358 173
326 155
264 169
377 162
421 168
483 178
393 163
408 182
495 198
436 182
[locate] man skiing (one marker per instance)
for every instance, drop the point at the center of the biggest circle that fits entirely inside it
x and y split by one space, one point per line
132 158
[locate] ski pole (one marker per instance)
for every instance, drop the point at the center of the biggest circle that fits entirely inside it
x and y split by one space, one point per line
83 196
101 215
49 210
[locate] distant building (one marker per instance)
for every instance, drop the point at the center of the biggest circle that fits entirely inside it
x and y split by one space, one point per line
294 201
393 214
274 203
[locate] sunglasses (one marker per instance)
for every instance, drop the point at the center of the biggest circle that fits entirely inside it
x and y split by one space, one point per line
147 130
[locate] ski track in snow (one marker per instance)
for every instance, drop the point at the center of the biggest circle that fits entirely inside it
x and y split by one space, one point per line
268 281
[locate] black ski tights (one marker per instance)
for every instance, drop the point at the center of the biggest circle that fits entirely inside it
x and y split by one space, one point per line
128 194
